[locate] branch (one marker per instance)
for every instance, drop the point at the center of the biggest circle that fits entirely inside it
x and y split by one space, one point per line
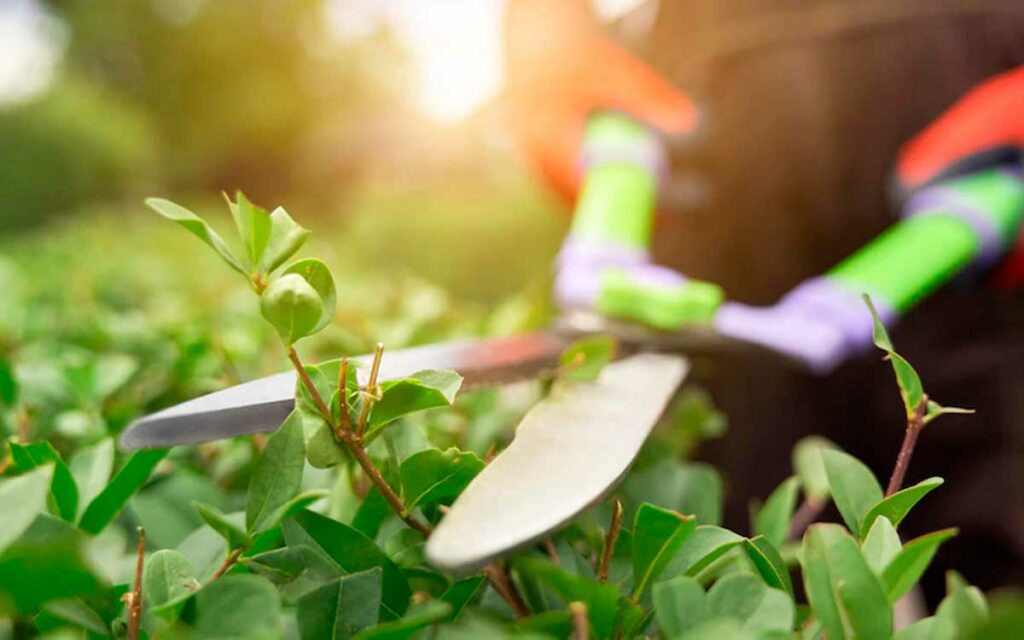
229 562
134 597
354 443
502 584
581 630
808 512
609 542
914 425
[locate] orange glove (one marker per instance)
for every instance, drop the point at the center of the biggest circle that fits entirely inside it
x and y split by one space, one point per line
560 68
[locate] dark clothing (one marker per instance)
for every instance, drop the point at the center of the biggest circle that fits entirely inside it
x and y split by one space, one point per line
807 103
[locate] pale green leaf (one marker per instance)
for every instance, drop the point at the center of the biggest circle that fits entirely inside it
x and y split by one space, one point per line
197 227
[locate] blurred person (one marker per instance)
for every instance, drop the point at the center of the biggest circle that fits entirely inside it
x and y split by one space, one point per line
818 125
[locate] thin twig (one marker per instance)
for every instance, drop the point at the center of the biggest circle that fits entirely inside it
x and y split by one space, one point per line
229 561
549 547
503 585
371 390
581 630
355 446
134 598
307 382
343 394
914 425
609 542
24 426
809 510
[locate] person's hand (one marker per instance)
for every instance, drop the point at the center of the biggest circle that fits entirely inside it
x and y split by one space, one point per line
561 69
820 323
985 128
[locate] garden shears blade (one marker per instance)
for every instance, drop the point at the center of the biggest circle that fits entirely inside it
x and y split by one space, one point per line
261 405
569 451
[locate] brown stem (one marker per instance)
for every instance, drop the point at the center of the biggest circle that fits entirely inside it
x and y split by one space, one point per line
503 585
343 394
355 447
914 425
549 548
134 598
609 542
229 561
581 630
809 510
307 382
371 389
24 426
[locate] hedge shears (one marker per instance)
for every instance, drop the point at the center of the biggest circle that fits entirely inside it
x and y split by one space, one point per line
572 448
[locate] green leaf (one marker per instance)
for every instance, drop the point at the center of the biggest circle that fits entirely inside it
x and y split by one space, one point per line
461 593
342 608
934 410
63 488
47 562
296 570
253 225
601 599
583 360
769 563
904 570
845 595
680 604
59 613
352 552
809 466
419 617
239 606
234 535
22 498
963 610
132 476
657 536
420 391
853 487
286 238
277 477
898 505
8 383
91 468
292 306
434 476
316 273
775 516
168 579
921 630
751 602
197 227
881 544
706 544
907 379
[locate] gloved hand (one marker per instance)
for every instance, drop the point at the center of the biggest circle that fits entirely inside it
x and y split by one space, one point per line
983 129
560 69
604 264
820 323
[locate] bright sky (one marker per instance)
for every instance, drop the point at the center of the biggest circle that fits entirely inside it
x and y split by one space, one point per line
455 45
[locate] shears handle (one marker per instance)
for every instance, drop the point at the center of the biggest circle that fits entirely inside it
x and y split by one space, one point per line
605 264
962 222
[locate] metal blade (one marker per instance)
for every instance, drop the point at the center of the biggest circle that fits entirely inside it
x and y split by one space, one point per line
262 405
569 451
